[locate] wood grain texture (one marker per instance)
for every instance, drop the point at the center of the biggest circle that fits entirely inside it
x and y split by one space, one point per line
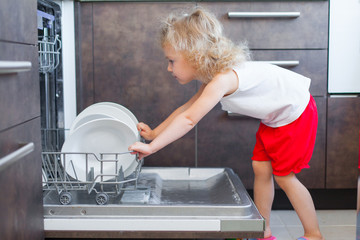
342 142
308 31
19 92
18 20
21 210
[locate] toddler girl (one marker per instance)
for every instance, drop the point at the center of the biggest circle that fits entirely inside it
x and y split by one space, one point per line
196 48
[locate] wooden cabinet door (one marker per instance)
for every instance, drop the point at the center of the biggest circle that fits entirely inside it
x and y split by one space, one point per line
342 142
21 209
128 67
307 30
19 92
18 21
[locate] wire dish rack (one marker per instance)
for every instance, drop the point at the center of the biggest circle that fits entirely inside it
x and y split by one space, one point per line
56 178
49 53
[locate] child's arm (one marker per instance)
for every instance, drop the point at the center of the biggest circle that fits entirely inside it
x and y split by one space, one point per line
183 122
149 134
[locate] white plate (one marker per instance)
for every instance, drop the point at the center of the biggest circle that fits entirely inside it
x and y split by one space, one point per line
99 136
86 118
107 110
122 108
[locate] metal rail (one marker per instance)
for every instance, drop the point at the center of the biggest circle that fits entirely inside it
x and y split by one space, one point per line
7 67
16 155
263 14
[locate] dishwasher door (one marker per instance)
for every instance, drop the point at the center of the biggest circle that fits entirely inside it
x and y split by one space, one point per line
166 203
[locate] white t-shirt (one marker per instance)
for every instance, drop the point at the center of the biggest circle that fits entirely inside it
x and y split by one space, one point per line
273 94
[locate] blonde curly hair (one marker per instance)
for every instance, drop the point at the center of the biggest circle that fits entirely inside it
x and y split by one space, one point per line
199 37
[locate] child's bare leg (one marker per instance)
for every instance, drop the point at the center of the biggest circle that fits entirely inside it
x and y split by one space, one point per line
264 191
302 202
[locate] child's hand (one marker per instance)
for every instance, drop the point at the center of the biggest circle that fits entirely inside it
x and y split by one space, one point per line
140 148
145 131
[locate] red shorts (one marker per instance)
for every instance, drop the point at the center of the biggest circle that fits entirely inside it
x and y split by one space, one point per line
290 147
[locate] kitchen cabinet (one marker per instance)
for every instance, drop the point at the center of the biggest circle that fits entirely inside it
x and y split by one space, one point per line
343 109
304 25
19 91
344 76
21 210
342 142
120 60
18 21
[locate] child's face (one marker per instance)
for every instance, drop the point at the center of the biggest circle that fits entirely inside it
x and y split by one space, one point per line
178 66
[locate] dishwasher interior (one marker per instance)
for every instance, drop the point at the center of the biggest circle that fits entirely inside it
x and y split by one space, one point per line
152 202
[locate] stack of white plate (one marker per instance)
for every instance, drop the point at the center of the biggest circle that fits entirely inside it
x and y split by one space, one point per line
103 127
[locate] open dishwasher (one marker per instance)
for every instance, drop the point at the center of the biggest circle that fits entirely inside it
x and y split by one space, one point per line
152 202
159 202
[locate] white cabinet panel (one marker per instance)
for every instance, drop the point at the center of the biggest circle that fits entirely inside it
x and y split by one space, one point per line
344 47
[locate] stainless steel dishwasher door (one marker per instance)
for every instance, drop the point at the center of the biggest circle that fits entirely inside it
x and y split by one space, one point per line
167 203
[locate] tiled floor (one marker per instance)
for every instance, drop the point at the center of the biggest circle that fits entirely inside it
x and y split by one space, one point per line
334 224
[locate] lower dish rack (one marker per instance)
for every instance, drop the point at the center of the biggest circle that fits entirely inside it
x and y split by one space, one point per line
56 166
62 179
55 177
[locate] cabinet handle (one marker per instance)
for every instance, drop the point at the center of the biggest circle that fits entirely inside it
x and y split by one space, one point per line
237 115
283 63
263 14
231 114
16 155
344 95
14 66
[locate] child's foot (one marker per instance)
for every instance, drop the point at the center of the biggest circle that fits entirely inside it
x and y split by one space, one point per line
268 238
305 238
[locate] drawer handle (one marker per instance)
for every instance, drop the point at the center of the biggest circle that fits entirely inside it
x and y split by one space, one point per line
231 114
7 67
283 63
16 155
238 115
263 14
